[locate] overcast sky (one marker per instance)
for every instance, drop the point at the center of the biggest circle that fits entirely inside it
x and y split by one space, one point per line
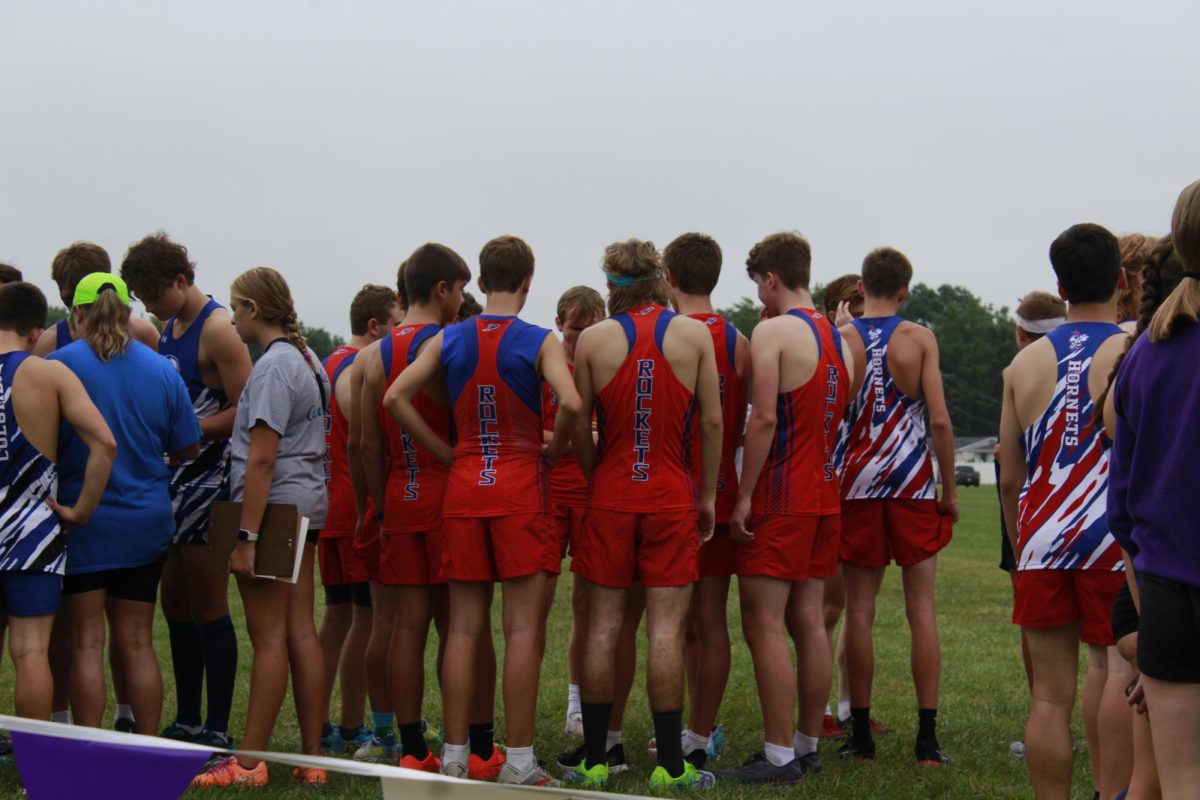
330 139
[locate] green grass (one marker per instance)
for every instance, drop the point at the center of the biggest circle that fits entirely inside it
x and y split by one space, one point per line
984 699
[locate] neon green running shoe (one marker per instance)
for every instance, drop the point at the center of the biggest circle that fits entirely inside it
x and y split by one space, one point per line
586 777
691 778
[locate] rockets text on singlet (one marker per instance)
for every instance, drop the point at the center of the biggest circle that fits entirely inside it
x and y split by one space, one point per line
1062 511
724 337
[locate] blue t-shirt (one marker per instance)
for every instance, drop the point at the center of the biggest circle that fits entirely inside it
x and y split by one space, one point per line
145 403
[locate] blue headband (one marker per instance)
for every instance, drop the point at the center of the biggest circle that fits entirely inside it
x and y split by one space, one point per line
629 280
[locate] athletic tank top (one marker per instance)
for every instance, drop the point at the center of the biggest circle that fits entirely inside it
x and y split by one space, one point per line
725 345
647 423
495 390
416 484
883 452
800 475
1061 517
568 487
29 530
62 334
192 481
342 515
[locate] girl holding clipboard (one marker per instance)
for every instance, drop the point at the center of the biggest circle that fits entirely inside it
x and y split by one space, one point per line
278 456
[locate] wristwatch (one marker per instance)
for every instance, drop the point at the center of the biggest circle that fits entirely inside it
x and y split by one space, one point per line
246 536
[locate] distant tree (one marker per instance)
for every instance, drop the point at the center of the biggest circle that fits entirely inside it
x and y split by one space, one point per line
743 314
975 344
54 315
321 341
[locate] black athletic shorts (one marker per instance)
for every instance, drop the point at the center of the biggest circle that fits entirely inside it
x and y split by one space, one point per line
1008 560
1124 614
1169 634
357 593
139 584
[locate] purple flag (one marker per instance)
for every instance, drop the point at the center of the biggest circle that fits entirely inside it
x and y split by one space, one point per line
54 767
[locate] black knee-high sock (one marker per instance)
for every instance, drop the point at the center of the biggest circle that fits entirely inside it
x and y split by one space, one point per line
668 732
411 740
187 662
861 731
481 736
595 732
220 664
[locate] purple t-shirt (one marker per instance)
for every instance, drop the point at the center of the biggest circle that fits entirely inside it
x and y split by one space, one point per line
1153 505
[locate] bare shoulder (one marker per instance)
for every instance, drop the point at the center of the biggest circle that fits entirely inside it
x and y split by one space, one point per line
47 342
915 332
597 332
1033 359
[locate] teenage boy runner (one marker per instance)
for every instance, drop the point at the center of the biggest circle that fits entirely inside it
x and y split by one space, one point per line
408 482
346 627
692 264
646 370
890 507
786 520
496 520
68 269
1054 483
201 343
36 396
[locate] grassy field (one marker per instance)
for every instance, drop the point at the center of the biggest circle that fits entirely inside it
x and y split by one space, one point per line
983 697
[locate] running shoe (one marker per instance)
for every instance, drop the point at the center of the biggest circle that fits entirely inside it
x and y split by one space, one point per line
716 742
377 750
430 733
173 731
453 769
757 769
615 757
331 739
876 727
929 754
586 777
1017 749
810 763
220 741
691 778
830 729
430 763
228 772
537 776
310 776
864 750
480 770
574 726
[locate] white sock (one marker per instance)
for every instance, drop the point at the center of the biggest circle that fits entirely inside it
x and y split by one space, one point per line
614 738
803 745
455 753
521 758
61 716
573 703
843 709
124 712
778 756
693 741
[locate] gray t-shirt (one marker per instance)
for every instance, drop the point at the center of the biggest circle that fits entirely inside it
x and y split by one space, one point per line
282 393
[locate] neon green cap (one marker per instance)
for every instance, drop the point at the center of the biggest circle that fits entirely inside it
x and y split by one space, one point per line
88 289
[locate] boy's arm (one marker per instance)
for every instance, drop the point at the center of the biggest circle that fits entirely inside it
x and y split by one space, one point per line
552 363
144 331
1013 469
232 360
745 369
398 400
760 432
939 424
585 445
708 393
82 415
370 447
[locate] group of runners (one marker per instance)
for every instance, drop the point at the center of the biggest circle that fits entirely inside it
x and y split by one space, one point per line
446 448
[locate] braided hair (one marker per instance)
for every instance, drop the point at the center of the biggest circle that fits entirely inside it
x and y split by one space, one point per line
267 289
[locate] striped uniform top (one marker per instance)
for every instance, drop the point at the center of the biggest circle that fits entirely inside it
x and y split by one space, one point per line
883 450
29 530
1062 520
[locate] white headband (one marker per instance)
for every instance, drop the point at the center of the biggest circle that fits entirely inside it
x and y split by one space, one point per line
1039 325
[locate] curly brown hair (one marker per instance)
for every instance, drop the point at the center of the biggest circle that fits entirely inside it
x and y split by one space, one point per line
640 261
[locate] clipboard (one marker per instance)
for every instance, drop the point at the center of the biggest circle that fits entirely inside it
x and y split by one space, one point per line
279 550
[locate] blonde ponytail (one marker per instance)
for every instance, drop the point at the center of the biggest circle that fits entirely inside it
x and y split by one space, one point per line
1182 306
106 325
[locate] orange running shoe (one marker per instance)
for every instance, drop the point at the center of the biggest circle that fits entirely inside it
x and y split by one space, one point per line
480 770
310 776
430 763
228 772
830 729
